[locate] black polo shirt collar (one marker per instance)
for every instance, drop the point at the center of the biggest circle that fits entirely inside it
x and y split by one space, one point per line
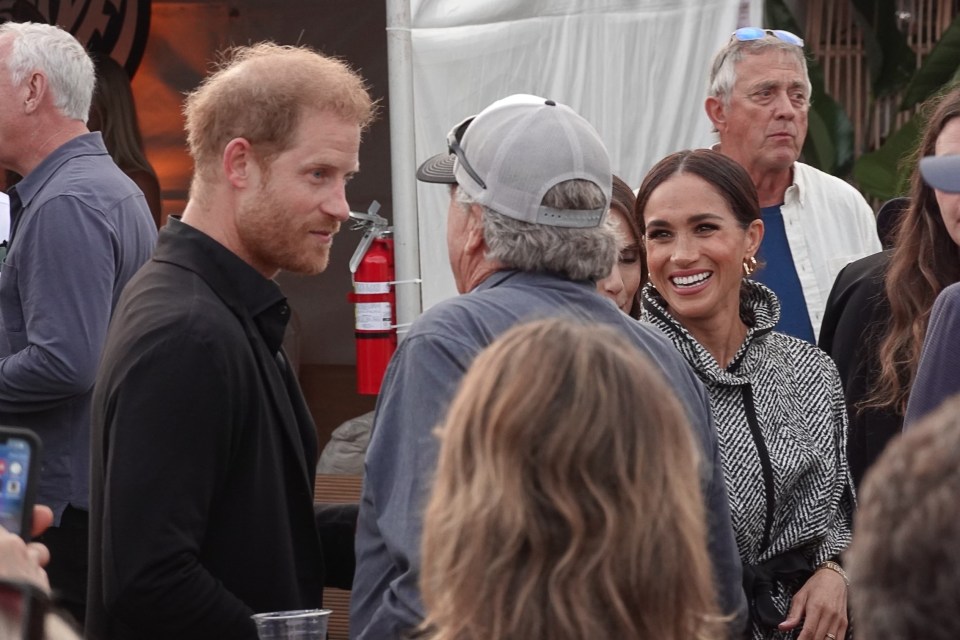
237 283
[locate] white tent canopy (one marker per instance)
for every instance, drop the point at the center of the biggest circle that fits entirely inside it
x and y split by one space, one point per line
636 69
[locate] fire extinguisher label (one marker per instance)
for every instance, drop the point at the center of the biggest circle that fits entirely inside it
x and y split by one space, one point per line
371 287
374 316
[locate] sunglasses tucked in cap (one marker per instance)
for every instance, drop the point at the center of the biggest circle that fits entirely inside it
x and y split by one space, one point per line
942 172
514 151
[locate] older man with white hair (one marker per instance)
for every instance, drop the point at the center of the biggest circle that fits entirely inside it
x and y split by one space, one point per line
79 229
815 223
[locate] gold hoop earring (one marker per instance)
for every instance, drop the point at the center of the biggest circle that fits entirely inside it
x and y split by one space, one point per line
749 265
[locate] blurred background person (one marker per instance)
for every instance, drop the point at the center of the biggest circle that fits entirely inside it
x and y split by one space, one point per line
878 311
630 271
776 399
561 515
114 114
904 561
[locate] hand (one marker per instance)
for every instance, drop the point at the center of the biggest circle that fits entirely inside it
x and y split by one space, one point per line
821 604
42 519
25 561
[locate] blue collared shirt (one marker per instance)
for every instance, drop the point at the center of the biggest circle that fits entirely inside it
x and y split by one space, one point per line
422 378
80 228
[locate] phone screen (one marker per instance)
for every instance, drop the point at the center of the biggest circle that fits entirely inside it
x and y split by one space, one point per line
15 460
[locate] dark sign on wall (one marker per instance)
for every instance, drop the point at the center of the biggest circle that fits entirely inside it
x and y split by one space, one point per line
115 27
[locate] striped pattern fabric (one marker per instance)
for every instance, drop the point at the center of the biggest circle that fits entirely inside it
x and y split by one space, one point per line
337 489
800 419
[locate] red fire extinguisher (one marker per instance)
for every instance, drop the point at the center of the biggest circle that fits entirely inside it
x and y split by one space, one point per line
372 267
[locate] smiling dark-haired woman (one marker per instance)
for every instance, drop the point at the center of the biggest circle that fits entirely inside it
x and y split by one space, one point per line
776 399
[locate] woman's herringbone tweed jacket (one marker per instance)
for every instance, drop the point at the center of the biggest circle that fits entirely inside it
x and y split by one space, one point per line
782 425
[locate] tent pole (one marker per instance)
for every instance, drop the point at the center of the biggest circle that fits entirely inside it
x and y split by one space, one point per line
403 161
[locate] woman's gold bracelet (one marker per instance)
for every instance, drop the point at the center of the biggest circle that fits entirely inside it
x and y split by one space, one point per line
833 566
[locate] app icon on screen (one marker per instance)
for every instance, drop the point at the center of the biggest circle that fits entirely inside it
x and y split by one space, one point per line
13 488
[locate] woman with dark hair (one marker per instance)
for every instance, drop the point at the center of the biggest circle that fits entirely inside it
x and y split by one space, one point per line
630 271
566 505
776 399
114 114
879 308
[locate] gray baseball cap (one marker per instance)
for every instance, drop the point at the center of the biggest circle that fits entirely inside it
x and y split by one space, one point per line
942 172
514 151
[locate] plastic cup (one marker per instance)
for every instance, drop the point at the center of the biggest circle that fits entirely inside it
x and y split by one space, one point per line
303 624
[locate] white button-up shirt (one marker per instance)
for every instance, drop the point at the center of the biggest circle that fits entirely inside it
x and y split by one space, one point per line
828 225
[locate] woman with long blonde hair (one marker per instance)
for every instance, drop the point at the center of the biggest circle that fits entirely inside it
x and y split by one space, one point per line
566 503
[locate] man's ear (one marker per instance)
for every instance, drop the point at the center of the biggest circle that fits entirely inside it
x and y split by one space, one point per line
475 241
239 163
716 111
36 86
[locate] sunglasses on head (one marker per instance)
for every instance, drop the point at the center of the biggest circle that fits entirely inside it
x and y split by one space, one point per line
746 34
453 146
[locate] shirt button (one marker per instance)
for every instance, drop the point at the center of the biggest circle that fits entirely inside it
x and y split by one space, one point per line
284 310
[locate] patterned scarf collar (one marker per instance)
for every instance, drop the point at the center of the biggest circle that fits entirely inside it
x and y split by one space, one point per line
760 310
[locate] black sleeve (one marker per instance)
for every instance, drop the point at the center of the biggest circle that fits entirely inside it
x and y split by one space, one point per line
170 422
853 326
337 526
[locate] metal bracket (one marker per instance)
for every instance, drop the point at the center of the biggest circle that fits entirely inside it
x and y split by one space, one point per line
374 225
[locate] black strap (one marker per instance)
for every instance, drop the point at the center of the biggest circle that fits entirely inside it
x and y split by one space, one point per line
765 465
759 581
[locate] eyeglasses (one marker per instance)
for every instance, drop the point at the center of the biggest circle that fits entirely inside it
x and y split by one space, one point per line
28 605
453 145
746 34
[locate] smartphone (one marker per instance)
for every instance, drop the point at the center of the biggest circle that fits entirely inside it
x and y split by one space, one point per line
19 465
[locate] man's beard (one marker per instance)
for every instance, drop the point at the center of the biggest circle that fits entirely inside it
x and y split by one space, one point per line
275 239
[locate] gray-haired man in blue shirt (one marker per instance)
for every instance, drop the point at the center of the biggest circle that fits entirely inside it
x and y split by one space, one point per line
79 229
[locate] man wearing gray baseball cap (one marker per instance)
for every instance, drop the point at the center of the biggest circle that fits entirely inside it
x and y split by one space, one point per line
530 183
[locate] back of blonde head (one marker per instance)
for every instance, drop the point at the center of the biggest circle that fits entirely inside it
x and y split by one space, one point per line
260 93
566 503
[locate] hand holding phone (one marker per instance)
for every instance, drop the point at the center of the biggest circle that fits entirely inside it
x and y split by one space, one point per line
19 464
23 561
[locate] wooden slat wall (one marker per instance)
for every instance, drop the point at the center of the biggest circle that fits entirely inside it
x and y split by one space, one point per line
338 601
337 489
333 489
834 38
